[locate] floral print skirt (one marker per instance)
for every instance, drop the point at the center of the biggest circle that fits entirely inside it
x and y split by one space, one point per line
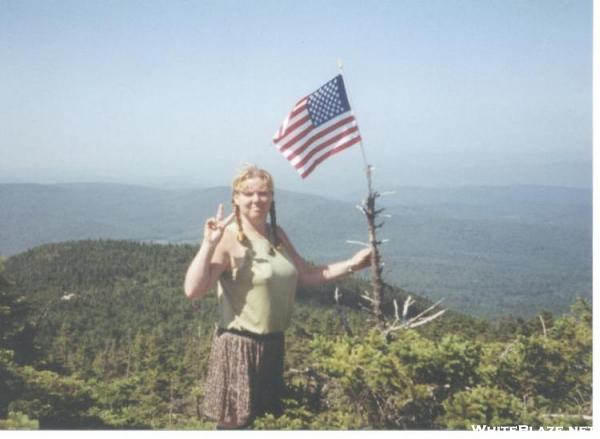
245 377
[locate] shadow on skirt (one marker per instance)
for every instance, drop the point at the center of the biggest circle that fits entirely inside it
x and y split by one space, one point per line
245 378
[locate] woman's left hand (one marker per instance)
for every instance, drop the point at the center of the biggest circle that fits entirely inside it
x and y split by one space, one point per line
361 259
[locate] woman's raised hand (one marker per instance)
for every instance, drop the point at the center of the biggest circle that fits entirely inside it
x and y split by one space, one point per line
215 226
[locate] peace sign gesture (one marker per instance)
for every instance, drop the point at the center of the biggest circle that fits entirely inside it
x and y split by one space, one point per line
214 227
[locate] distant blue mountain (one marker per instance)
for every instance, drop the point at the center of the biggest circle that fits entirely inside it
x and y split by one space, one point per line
488 251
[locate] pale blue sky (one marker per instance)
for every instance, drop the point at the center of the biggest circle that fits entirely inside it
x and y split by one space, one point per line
446 92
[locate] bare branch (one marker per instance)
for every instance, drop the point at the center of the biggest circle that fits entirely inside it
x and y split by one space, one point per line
367 298
543 326
364 244
337 296
397 317
507 349
402 323
408 302
427 319
425 312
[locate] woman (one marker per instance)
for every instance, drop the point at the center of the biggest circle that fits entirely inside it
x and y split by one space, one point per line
257 269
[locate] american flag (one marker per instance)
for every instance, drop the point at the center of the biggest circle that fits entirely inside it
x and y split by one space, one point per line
319 126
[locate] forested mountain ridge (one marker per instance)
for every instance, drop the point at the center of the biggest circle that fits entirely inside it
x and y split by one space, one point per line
98 334
490 250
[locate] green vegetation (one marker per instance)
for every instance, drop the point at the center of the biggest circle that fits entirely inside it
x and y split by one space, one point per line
98 335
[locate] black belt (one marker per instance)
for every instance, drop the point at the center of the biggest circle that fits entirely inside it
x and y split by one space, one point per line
249 334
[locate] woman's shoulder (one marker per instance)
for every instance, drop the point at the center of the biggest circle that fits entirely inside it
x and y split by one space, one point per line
282 236
280 232
286 243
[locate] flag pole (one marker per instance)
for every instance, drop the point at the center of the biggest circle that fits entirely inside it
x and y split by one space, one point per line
340 66
368 208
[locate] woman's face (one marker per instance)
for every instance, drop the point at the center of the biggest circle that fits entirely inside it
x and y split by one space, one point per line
254 199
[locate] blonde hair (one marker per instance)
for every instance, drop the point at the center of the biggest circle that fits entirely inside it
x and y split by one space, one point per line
252 171
246 173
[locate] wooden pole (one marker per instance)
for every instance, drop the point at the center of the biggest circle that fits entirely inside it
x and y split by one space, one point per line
371 213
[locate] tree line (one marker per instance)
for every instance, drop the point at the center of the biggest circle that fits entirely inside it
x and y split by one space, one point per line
98 335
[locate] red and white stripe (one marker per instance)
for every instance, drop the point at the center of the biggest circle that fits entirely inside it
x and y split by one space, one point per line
306 146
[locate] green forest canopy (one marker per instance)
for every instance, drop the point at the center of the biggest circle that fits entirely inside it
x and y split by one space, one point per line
98 334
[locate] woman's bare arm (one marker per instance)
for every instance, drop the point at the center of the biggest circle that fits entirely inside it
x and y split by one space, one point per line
212 258
206 267
311 275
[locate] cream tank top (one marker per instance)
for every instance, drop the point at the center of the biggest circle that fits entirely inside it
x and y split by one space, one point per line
258 295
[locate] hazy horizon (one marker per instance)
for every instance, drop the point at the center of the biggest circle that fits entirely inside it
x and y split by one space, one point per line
172 93
49 177
348 195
